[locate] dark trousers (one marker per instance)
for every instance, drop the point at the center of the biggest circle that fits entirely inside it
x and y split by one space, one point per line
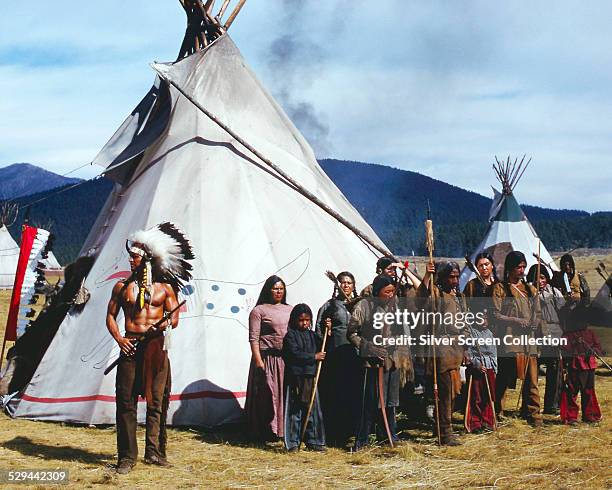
552 390
583 382
340 388
371 415
127 388
295 413
506 378
446 397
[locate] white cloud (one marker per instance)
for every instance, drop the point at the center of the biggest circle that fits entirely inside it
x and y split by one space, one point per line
436 87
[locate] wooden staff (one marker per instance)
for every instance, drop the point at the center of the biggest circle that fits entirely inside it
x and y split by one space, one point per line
429 243
594 352
466 417
518 401
383 403
314 389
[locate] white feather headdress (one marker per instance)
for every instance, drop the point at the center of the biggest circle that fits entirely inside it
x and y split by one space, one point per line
168 250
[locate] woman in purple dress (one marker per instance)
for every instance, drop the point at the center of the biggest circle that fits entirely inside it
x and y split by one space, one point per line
267 328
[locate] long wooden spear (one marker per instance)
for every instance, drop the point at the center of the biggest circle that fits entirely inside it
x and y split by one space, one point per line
429 243
383 403
314 389
334 279
537 284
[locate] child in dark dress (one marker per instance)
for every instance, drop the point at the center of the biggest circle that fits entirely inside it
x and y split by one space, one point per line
301 352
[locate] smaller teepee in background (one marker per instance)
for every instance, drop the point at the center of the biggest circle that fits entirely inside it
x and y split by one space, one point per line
601 306
9 249
509 229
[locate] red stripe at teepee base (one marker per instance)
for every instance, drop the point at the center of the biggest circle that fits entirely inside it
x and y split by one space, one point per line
27 240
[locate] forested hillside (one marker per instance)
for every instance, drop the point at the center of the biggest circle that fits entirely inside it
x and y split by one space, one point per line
393 201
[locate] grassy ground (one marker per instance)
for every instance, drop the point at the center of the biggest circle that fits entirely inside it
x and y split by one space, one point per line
516 456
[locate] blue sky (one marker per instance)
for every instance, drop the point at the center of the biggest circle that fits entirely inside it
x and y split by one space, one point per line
436 87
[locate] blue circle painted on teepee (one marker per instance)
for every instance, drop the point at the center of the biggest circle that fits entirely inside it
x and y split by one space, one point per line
187 290
234 309
215 287
242 291
210 306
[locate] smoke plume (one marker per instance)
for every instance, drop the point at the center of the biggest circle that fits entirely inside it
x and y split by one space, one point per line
294 59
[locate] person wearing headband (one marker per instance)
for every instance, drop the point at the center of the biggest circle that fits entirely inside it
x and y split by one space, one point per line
443 298
517 317
406 282
158 262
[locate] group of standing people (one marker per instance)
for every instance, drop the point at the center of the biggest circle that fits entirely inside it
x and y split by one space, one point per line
357 344
366 367
286 346
543 305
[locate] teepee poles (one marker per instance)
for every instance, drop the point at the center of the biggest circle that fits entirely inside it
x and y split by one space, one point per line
233 15
202 26
508 173
9 211
209 6
292 183
222 10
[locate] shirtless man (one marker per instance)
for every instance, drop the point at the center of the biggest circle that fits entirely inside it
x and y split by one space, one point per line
144 370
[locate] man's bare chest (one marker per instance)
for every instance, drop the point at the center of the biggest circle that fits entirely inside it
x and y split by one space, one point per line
155 298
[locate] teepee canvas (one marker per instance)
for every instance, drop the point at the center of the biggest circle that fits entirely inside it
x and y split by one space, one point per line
245 219
51 263
601 306
9 255
509 229
603 299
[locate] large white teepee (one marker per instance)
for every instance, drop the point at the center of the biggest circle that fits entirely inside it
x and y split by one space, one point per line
9 256
245 220
509 229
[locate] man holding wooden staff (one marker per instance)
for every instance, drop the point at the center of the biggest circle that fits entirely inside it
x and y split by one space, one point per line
516 312
148 298
444 359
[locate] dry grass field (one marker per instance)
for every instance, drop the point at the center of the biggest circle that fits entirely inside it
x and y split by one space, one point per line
516 456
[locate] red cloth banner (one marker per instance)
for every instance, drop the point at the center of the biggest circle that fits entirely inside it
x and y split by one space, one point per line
27 240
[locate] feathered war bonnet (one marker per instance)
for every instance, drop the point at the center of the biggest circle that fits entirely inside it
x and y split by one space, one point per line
165 251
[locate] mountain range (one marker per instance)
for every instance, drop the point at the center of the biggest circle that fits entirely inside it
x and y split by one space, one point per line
393 202
21 179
